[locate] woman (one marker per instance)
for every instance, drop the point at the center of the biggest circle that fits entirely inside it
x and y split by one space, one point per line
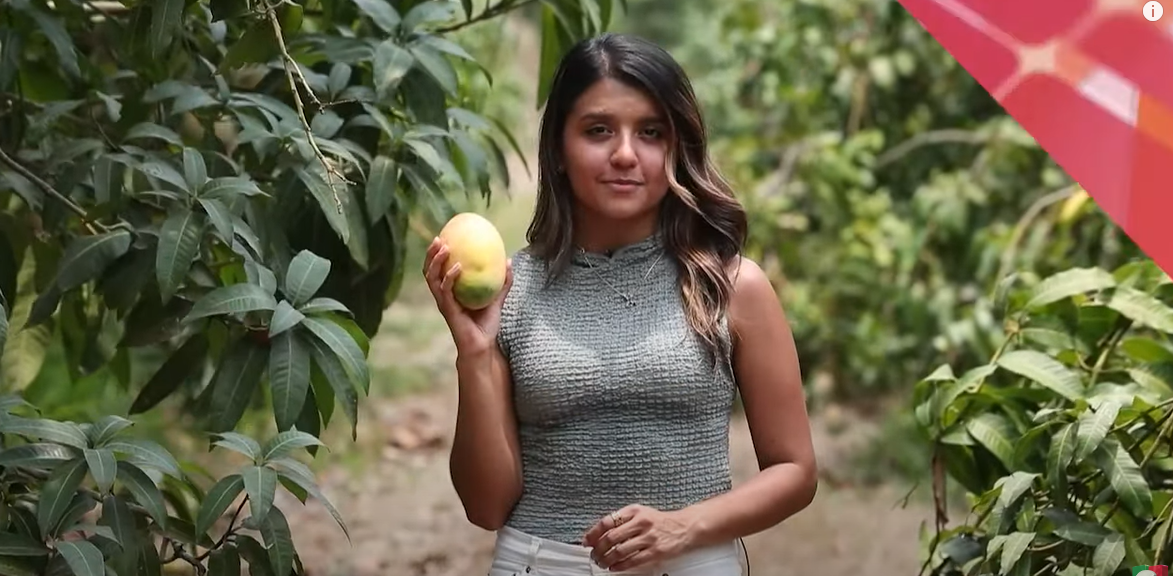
595 394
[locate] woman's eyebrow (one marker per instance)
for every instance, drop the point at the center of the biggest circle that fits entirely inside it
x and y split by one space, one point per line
601 115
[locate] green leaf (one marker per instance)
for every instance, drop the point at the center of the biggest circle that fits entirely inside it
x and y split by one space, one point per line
256 556
179 242
36 455
1086 533
1044 370
301 475
288 441
239 443
66 433
1059 456
55 31
381 13
1069 283
174 371
1125 477
83 557
285 317
57 494
116 516
437 66
152 130
1108 554
340 343
21 545
222 494
3 328
232 299
330 367
144 491
102 466
148 454
234 383
166 18
224 560
220 216
289 377
995 433
260 482
107 428
87 257
256 46
327 191
382 186
275 530
306 274
323 305
148 559
1094 427
1142 309
428 12
226 189
1012 548
390 66
195 170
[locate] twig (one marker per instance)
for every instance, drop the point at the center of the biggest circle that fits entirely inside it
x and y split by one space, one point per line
489 13
227 532
49 189
331 171
950 136
1027 218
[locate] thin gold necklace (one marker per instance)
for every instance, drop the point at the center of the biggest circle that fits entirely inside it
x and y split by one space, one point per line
628 300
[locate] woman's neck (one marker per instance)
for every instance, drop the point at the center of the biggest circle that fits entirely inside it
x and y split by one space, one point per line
605 236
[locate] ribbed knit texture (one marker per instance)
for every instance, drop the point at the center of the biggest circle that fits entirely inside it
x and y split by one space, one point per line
616 405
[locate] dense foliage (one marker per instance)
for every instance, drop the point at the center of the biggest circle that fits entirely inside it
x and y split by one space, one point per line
1064 436
206 203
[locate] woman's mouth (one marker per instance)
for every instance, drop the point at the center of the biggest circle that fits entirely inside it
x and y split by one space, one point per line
623 184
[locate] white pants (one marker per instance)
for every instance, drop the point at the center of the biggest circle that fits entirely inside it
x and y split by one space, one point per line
520 554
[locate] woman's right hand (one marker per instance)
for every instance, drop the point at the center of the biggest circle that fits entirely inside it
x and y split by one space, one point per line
473 331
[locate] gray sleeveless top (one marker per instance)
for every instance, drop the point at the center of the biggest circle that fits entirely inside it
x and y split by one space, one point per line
616 405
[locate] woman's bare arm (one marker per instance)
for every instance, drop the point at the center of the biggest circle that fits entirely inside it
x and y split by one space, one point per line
775 407
485 463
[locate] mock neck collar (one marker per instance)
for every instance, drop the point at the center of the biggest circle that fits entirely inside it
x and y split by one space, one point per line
650 246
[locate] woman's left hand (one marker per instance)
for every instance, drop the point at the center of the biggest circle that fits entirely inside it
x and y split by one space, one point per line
637 536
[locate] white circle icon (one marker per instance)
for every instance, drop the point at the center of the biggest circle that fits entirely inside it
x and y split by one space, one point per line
1152 12
1150 572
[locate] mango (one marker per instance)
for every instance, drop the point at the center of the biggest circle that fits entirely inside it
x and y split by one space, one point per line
476 244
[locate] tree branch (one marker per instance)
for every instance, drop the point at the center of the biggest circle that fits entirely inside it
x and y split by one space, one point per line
491 12
951 136
332 171
49 190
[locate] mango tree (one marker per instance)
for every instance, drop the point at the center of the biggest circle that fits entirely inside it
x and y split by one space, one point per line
1063 438
207 203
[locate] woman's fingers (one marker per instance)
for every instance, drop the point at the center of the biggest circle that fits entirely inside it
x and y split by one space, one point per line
450 278
435 265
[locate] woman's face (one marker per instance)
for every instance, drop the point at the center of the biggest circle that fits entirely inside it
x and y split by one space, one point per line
615 144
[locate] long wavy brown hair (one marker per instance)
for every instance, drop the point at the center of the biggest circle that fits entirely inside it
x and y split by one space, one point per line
702 224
